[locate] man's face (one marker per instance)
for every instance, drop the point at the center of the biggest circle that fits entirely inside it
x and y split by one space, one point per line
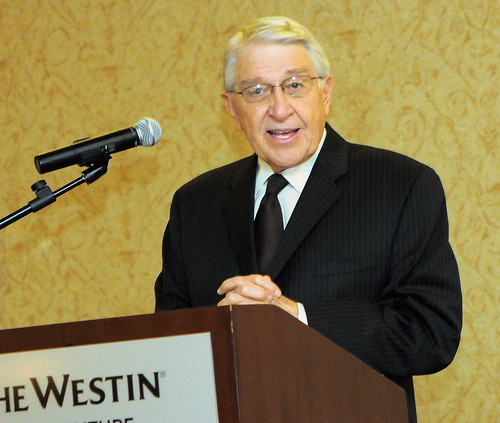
283 131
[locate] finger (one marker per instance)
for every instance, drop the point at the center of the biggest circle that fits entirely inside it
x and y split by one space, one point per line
264 282
235 299
231 284
267 283
252 292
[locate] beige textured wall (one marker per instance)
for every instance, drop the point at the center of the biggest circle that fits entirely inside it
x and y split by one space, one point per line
419 77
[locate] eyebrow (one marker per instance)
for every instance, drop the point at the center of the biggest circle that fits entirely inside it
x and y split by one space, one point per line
260 79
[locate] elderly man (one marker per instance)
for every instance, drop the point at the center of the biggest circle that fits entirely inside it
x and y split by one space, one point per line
360 250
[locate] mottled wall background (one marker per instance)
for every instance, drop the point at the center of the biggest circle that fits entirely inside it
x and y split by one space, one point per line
419 77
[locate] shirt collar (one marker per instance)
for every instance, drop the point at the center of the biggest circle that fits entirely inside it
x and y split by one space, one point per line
296 176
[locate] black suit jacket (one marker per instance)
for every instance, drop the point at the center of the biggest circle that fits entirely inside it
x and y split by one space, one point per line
366 251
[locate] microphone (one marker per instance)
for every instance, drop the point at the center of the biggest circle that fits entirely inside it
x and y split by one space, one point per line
147 132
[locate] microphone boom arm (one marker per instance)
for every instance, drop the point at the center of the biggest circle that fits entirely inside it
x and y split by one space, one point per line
45 196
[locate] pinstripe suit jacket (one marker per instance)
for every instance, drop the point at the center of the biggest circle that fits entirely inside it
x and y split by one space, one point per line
366 251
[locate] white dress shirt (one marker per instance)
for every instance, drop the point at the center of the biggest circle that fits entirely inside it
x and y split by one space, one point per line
289 196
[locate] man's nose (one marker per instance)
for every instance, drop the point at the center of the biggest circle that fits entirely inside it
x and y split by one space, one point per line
279 103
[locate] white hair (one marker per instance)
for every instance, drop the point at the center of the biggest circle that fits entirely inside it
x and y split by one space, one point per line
275 29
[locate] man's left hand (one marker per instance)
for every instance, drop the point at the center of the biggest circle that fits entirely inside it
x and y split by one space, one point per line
255 289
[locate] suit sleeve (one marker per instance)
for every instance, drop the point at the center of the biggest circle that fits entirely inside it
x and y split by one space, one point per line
414 326
171 288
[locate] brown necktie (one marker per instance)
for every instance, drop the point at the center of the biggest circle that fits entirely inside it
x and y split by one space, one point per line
268 225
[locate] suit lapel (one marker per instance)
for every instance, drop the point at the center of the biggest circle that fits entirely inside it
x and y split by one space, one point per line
237 210
318 196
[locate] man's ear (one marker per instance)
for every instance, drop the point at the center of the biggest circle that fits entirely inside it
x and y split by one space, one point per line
228 100
327 93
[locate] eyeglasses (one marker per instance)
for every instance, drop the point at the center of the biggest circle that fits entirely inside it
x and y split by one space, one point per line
296 86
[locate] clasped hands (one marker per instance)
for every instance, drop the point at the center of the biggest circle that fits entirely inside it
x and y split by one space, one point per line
255 289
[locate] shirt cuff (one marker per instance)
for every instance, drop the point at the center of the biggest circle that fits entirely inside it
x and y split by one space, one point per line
302 316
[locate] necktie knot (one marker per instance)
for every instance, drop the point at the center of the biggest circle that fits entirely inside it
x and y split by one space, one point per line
276 183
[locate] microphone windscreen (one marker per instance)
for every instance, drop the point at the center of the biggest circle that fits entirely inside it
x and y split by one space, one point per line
148 131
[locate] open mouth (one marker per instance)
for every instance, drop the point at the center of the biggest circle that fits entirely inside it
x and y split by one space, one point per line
284 134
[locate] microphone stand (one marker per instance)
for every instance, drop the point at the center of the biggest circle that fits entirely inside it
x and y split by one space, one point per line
45 196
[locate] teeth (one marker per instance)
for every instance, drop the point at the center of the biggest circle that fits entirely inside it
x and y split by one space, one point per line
282 134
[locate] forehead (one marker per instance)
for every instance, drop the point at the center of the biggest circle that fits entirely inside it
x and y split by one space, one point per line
272 61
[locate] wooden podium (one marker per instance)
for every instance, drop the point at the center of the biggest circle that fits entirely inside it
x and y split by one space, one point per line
268 366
